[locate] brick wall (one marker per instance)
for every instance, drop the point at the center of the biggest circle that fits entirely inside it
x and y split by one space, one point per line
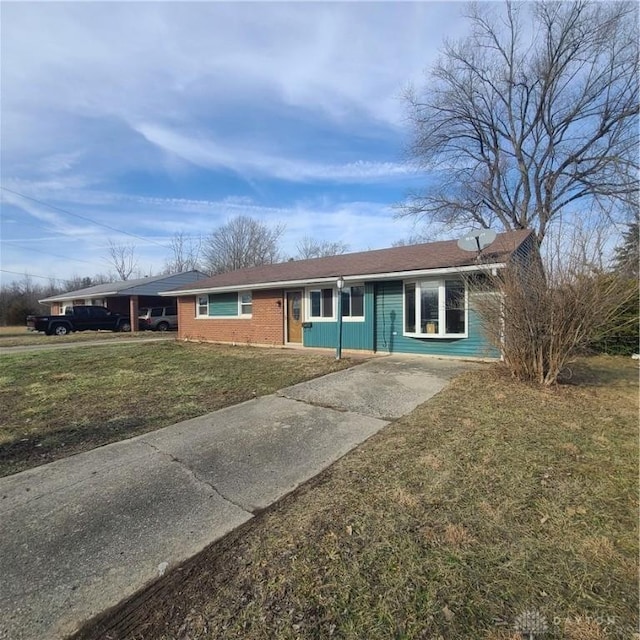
265 327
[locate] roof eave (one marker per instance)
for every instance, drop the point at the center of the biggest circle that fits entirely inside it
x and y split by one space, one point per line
390 275
78 297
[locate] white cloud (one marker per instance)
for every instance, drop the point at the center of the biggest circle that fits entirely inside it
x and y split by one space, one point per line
361 225
70 65
114 110
246 161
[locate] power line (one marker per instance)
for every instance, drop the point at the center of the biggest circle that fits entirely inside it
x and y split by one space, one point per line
55 255
32 275
77 215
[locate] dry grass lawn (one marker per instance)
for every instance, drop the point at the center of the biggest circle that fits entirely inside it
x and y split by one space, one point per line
57 403
494 510
22 337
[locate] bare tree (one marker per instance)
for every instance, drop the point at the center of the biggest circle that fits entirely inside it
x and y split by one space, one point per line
184 253
414 238
309 247
20 298
627 254
534 114
122 258
82 282
242 242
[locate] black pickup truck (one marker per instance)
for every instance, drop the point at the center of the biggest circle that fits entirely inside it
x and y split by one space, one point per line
85 318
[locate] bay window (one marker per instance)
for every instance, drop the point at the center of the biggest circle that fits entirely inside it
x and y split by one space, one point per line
435 308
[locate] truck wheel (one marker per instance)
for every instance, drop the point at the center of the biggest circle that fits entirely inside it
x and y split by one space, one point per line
60 329
163 326
125 326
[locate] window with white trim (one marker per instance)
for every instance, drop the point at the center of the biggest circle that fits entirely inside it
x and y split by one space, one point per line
203 306
353 302
245 300
435 309
321 303
228 305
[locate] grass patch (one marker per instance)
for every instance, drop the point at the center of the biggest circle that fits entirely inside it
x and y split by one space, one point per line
22 337
15 330
492 503
57 403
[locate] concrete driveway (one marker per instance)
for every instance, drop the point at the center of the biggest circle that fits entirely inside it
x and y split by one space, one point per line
81 534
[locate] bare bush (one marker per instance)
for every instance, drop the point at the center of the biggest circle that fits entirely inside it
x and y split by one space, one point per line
541 318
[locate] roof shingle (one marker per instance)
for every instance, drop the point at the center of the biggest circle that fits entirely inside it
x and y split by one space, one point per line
149 286
431 255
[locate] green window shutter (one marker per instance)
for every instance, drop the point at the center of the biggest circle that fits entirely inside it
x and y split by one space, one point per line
223 304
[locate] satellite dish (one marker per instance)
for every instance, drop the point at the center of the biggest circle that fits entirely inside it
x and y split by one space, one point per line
477 240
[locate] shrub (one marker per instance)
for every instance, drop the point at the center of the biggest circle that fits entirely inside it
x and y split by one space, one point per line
540 319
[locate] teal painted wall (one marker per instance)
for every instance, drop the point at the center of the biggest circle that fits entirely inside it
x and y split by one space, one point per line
223 304
355 335
388 320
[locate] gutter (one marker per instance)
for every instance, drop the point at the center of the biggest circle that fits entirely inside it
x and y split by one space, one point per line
389 275
77 297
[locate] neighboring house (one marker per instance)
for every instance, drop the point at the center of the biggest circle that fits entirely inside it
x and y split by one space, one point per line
125 296
410 299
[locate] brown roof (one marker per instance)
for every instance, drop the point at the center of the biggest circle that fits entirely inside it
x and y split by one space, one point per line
431 255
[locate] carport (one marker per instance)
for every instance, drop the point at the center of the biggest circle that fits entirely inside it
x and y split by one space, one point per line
125 296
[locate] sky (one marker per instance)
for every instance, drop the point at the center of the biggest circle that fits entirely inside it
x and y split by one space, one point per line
131 122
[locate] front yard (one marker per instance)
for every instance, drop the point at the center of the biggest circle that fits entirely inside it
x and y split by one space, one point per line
22 337
57 403
497 510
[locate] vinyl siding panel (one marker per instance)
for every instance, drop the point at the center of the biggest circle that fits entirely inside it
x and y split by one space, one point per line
389 338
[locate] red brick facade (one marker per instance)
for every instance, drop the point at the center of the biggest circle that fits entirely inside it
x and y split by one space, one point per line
265 327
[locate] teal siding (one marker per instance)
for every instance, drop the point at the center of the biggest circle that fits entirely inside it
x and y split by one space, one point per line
389 338
355 335
223 304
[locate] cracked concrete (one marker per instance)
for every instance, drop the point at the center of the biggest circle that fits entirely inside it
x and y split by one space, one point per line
194 475
83 544
83 533
385 388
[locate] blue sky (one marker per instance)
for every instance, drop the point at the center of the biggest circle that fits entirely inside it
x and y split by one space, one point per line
162 117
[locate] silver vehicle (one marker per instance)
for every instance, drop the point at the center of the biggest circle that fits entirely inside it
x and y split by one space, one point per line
158 318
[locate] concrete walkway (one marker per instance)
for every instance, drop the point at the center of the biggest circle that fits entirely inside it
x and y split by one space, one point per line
81 534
